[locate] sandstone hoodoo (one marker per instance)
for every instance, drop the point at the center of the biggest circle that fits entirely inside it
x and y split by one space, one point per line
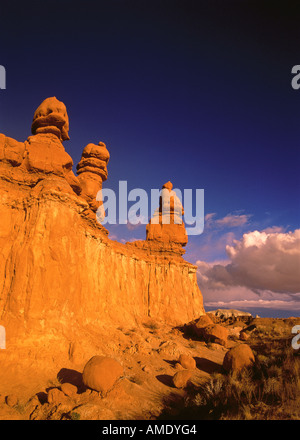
51 117
166 225
63 279
92 171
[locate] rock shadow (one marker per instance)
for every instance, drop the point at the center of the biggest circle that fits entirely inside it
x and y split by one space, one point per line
171 363
42 397
66 375
208 366
166 379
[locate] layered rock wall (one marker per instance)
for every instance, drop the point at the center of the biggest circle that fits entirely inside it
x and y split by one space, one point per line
58 268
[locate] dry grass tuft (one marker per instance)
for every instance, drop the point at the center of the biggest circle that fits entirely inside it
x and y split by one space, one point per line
269 390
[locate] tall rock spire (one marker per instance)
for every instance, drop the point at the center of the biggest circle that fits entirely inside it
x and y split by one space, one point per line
167 225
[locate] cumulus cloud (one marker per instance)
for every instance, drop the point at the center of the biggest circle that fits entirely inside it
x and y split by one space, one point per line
265 263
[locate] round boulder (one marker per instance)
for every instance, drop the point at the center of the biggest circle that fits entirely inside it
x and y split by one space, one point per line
101 373
187 362
238 357
181 378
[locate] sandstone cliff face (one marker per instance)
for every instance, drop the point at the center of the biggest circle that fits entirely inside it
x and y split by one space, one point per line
59 270
57 266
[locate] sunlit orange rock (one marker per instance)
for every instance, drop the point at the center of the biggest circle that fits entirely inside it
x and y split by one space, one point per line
238 357
181 378
166 225
61 276
11 151
51 117
43 153
200 324
92 171
101 373
215 333
187 362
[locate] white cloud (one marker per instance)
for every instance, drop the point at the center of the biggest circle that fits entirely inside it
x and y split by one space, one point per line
264 264
229 221
232 220
261 261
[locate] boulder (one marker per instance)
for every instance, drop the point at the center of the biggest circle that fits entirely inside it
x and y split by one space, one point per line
56 396
187 362
12 400
200 324
181 378
215 333
238 357
101 373
203 321
68 389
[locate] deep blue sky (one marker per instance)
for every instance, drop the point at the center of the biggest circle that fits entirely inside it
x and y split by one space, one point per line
196 92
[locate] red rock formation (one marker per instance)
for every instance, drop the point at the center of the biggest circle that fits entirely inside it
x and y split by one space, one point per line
92 171
43 153
60 273
51 117
166 225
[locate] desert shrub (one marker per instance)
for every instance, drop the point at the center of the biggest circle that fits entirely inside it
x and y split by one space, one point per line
75 415
152 325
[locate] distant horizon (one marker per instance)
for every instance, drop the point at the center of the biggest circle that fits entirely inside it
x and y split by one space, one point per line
261 313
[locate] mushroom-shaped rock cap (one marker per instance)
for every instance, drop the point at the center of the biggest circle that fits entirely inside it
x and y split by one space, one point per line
99 151
168 185
94 159
51 117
